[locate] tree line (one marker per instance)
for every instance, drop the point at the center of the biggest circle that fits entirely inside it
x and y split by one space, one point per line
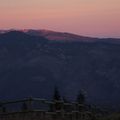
57 99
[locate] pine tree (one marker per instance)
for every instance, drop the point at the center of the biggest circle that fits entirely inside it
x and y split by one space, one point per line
80 100
81 97
57 99
56 95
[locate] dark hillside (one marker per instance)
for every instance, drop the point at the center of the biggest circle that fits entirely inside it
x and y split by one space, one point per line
32 65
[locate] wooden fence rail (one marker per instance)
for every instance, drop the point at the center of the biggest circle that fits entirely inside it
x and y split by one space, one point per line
41 109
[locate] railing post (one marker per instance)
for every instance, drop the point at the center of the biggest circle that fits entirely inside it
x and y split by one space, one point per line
24 106
27 105
62 109
4 109
30 100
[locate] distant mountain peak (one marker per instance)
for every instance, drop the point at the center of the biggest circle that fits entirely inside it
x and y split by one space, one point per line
14 32
56 36
16 35
49 34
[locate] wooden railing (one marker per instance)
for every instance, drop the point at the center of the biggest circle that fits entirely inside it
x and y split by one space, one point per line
46 110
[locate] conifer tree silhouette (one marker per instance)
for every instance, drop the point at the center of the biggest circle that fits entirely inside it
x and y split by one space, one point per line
56 95
57 99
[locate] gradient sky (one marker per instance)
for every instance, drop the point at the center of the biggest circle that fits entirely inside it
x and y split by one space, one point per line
85 17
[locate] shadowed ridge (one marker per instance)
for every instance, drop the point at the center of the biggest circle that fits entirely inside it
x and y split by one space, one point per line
18 35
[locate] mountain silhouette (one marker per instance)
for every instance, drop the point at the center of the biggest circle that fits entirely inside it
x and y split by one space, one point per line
31 65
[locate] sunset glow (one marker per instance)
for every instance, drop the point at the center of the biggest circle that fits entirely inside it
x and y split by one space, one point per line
99 18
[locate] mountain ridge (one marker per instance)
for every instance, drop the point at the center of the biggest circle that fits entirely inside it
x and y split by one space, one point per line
59 36
32 66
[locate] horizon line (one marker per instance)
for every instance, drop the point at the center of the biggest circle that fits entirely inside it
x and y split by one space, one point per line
50 30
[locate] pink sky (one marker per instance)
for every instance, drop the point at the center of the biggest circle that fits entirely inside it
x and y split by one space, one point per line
85 17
